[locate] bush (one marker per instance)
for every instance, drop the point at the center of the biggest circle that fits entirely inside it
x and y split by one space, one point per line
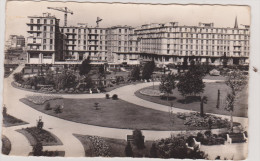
207 133
200 137
115 97
18 77
48 106
138 139
129 150
107 96
37 149
58 109
153 151
190 141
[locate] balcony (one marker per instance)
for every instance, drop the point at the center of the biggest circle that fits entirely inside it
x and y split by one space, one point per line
31 43
34 31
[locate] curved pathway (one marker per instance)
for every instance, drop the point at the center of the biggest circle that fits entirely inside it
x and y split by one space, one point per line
64 129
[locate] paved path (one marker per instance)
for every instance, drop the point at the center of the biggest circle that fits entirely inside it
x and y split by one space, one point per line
64 129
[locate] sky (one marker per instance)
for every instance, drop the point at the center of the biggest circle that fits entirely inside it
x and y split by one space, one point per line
124 14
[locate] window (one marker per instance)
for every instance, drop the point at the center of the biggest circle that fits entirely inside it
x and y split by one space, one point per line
44 28
44 34
50 47
31 20
119 30
125 30
51 28
51 21
73 30
95 31
38 21
51 41
44 47
38 28
44 41
31 28
34 40
38 34
45 21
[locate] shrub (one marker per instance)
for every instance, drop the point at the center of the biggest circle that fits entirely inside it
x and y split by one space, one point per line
18 77
107 96
207 133
115 97
48 106
190 141
138 139
199 137
153 151
37 149
129 150
58 109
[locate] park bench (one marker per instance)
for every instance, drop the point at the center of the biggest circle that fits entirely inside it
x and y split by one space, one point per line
236 138
130 138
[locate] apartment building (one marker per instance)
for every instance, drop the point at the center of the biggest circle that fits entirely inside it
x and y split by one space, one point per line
177 44
168 43
83 41
122 45
45 43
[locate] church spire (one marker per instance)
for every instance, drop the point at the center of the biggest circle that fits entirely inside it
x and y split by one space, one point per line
236 25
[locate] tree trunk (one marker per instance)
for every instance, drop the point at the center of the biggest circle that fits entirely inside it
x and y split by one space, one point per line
231 119
218 98
201 108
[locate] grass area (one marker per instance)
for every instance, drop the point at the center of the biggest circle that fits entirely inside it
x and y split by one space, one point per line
116 147
51 153
113 113
34 135
6 145
9 120
211 91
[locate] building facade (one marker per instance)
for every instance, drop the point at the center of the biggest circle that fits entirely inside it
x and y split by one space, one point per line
168 43
45 43
15 42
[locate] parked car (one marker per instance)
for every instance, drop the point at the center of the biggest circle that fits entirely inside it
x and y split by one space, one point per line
214 72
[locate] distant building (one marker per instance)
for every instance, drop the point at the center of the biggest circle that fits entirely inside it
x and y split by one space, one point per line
15 42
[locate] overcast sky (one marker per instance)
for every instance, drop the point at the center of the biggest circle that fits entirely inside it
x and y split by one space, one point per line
125 14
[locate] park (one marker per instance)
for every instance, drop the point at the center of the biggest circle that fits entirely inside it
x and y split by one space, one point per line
125 111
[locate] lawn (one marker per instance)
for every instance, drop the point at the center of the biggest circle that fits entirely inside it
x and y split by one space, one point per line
34 135
6 145
211 91
116 147
113 113
9 120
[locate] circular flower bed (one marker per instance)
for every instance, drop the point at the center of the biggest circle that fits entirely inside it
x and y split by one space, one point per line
151 92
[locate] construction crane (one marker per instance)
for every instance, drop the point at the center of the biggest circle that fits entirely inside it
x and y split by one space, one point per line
62 9
98 20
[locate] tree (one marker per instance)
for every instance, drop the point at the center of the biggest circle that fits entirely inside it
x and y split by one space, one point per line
18 77
191 83
135 73
236 81
148 70
37 149
203 100
217 106
153 151
65 80
85 67
89 82
167 84
101 76
138 139
129 150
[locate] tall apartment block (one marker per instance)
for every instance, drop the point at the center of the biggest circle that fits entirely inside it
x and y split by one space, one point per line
82 41
173 43
45 43
122 45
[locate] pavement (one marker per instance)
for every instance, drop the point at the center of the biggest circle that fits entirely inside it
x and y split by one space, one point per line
64 129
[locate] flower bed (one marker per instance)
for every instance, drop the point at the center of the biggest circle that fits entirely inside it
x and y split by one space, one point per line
6 145
99 146
35 135
151 92
194 119
41 99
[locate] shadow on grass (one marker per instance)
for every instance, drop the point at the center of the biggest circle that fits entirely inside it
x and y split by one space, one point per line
189 99
170 98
